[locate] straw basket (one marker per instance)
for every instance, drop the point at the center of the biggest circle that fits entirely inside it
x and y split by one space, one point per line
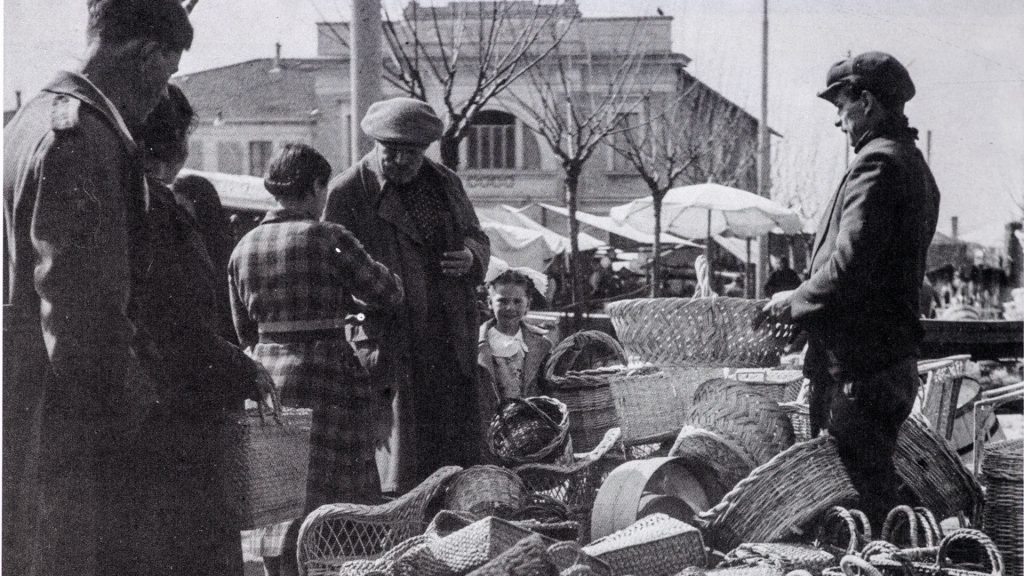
778 385
973 552
778 498
743 414
588 397
583 350
651 402
527 430
271 461
653 546
1004 500
718 462
800 418
486 491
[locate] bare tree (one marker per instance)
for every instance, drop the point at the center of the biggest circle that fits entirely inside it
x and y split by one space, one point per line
468 53
574 102
693 136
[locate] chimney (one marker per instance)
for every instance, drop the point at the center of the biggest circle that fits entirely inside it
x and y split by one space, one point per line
17 99
277 56
954 227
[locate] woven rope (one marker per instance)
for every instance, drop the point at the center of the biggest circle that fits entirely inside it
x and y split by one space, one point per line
270 462
652 402
702 331
655 544
335 533
1004 500
741 413
486 491
780 496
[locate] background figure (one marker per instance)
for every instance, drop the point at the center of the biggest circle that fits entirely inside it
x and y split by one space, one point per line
413 215
782 278
293 280
75 203
861 301
184 457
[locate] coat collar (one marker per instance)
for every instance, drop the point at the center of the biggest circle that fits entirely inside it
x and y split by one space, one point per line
282 214
386 196
80 88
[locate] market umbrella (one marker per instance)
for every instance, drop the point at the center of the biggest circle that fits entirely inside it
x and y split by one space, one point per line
709 209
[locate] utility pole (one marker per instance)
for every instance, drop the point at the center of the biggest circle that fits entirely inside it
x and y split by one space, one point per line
365 70
928 147
763 154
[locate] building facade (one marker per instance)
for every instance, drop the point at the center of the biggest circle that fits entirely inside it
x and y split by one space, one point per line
248 110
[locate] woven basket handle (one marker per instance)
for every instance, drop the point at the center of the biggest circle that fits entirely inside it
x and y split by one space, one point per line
855 566
892 520
530 405
274 410
703 289
976 537
838 513
931 526
863 524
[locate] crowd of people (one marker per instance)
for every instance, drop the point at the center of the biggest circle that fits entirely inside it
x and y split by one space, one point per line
135 330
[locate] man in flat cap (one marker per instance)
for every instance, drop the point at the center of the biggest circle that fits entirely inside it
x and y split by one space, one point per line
75 394
860 302
413 215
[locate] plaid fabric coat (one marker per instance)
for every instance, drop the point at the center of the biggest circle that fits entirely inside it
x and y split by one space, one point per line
292 268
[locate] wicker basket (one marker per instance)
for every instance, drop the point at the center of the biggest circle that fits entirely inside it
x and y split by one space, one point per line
653 546
583 350
779 385
651 402
1004 500
788 556
933 471
982 556
778 498
267 484
486 491
740 412
527 430
717 462
906 528
588 396
800 418
704 332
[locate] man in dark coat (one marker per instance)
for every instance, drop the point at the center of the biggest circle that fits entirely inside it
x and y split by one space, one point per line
413 216
74 209
860 302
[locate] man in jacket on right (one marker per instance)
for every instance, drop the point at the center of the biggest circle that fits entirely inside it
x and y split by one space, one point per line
860 302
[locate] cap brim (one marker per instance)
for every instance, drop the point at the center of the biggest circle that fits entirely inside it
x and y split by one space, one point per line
831 92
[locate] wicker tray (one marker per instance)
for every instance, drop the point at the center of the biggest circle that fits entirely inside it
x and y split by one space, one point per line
267 484
651 402
1004 500
741 413
704 332
654 546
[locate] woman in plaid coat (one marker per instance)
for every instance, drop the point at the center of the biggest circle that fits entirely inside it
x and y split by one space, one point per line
292 283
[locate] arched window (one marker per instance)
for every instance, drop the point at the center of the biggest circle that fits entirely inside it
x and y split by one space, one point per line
492 141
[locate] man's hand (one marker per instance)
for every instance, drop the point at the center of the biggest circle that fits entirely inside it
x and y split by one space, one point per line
780 306
457 263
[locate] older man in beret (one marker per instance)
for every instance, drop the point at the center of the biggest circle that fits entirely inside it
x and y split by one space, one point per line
860 302
413 215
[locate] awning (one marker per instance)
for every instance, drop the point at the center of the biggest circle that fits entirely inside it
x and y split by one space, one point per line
508 215
738 248
608 225
238 192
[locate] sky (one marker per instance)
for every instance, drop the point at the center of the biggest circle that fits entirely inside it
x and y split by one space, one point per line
965 56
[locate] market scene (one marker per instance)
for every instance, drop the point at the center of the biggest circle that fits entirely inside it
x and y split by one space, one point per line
513 288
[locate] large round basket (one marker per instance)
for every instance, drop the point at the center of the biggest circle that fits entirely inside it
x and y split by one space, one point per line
651 402
486 491
267 482
588 396
780 497
743 414
717 462
583 350
707 332
528 430
1004 500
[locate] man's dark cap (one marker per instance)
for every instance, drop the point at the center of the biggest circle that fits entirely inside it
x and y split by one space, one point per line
163 20
402 121
876 72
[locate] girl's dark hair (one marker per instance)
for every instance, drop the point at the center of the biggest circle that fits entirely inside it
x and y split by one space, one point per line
294 169
165 133
512 277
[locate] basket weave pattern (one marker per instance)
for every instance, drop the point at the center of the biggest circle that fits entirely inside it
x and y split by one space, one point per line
1004 500
651 402
529 430
336 533
271 463
587 395
741 413
708 332
655 545
486 491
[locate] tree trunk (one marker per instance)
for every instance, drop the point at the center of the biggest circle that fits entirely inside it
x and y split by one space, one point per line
450 152
656 248
579 300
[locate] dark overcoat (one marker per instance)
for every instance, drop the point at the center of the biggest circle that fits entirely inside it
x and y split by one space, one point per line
374 213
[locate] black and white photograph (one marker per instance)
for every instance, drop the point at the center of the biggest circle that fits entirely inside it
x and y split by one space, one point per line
513 288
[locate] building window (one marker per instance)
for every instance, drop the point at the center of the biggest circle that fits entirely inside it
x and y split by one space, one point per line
195 154
259 156
620 141
492 141
229 157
